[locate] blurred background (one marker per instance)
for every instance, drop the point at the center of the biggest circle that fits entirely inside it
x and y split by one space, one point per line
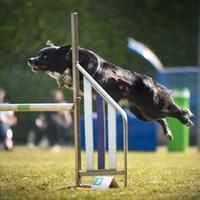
168 28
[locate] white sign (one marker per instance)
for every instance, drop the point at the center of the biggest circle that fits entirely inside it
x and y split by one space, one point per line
104 183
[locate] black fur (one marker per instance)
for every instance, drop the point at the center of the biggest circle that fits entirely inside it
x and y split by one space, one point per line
146 99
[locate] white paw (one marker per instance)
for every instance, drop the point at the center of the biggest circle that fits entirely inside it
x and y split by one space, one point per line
189 123
169 136
190 114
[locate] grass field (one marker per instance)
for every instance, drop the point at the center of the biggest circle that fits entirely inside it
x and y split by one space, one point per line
37 174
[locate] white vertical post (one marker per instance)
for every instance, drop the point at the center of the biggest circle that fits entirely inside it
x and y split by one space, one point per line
112 147
88 120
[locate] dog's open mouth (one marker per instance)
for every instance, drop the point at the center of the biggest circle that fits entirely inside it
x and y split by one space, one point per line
38 68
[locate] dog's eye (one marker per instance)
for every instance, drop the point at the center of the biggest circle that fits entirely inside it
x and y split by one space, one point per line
44 56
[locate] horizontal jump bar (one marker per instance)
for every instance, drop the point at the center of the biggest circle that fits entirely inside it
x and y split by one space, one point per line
37 107
101 172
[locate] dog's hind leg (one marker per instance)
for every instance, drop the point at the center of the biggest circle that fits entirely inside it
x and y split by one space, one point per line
165 128
181 115
184 120
162 122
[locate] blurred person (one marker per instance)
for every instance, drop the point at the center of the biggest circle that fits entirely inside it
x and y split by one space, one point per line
54 128
7 119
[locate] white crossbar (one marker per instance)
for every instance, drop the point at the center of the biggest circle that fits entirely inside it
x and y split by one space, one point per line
88 119
112 147
37 107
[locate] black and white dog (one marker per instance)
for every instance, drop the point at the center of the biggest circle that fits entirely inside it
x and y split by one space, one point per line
145 98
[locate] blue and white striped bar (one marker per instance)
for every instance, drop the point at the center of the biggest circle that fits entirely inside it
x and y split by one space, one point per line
101 131
37 107
88 120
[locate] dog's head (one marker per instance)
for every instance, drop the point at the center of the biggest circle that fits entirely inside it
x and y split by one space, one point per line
52 59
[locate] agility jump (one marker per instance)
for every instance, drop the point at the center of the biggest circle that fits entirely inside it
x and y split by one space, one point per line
102 99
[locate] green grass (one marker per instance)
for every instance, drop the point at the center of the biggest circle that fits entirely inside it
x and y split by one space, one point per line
36 174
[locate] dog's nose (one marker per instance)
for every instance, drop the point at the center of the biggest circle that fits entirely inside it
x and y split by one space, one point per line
31 61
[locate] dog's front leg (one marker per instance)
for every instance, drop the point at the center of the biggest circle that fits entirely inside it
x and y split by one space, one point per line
61 81
165 127
65 79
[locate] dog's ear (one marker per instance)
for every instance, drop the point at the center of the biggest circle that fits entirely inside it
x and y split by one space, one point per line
63 50
49 44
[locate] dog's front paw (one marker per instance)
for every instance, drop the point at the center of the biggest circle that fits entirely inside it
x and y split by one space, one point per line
60 84
49 44
61 81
